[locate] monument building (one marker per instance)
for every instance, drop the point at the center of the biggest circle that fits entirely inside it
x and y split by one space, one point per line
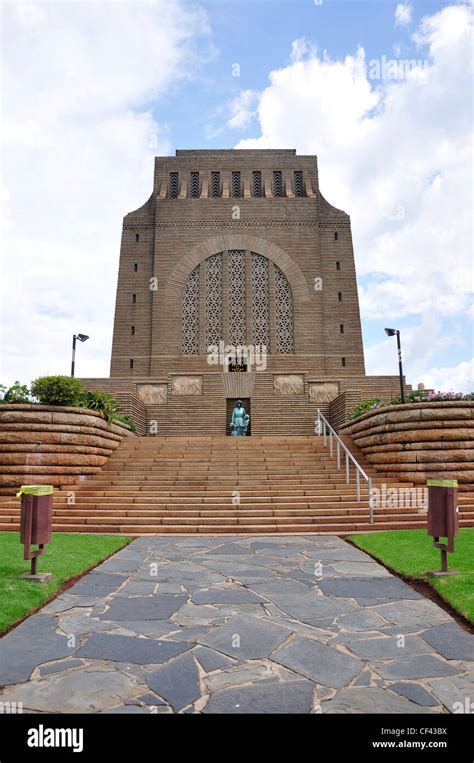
237 282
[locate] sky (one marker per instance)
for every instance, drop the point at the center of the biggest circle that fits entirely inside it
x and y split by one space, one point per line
380 91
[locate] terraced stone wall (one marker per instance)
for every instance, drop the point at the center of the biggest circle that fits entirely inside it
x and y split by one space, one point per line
41 444
417 442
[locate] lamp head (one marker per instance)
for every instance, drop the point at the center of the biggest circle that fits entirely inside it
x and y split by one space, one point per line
391 332
82 337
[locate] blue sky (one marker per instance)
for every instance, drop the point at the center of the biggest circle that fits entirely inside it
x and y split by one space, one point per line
93 90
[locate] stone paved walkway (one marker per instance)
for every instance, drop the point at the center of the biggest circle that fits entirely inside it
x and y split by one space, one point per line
236 625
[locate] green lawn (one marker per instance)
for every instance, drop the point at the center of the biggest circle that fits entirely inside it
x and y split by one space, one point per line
68 555
411 553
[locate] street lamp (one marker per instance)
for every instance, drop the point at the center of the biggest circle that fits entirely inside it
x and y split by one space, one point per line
82 338
392 332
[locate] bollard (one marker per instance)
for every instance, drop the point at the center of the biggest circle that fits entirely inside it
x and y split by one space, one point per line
35 529
443 519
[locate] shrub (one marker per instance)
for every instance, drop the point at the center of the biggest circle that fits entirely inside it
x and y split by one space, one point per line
17 393
100 401
364 406
57 390
126 420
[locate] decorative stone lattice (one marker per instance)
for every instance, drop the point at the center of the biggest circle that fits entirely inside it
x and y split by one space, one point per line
190 327
237 297
214 330
194 185
283 314
260 301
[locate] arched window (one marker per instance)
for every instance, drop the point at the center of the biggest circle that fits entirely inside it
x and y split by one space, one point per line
256 304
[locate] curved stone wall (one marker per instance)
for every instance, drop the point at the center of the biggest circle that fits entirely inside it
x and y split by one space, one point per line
53 445
418 441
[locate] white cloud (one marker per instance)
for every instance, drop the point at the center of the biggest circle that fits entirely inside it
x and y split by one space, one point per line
395 154
459 378
242 109
403 14
79 140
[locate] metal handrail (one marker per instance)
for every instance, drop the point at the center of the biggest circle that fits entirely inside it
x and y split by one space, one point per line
323 424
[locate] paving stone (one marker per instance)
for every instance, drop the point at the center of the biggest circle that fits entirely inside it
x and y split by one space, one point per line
424 666
415 693
59 666
389 648
361 620
76 625
318 662
344 553
373 601
78 691
456 693
421 612
355 700
369 569
267 697
353 587
169 588
225 596
401 630
121 565
151 699
246 638
310 608
196 614
142 651
177 681
451 641
291 554
87 587
211 660
33 642
105 579
364 679
66 601
281 588
189 633
139 588
228 549
346 637
157 607
150 628
126 710
243 673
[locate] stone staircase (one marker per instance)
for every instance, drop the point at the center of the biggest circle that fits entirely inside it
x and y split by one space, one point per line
217 484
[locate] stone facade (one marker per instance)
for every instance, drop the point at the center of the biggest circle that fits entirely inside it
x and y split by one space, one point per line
236 247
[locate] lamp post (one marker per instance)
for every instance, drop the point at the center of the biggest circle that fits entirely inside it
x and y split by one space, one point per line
392 332
82 338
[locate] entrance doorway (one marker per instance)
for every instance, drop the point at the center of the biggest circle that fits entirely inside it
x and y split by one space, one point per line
231 402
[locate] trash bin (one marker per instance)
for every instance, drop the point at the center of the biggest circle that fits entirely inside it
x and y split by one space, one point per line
443 515
36 519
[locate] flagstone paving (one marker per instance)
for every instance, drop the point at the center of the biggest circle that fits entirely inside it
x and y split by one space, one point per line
234 624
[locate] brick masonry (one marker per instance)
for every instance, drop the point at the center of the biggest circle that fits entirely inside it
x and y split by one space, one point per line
309 240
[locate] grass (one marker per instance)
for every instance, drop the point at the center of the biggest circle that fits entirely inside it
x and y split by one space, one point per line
67 556
411 554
